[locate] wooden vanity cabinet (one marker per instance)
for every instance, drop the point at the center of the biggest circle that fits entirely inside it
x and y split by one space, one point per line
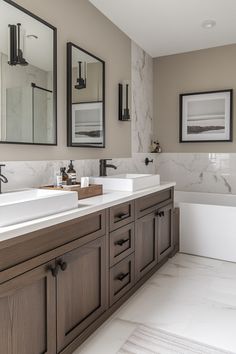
151 202
153 231
146 245
59 293
120 215
81 290
165 234
121 243
28 313
58 284
50 306
121 278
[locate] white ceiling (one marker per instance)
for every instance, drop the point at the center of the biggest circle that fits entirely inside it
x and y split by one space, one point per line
164 27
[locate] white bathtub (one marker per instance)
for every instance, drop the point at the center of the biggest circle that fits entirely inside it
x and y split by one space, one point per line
207 224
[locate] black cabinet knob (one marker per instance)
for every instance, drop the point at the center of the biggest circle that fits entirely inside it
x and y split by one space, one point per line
62 265
160 213
53 270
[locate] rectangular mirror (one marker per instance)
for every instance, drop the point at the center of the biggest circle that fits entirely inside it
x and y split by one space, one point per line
85 98
28 70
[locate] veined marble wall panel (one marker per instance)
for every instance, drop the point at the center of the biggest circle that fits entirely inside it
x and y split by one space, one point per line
142 100
213 173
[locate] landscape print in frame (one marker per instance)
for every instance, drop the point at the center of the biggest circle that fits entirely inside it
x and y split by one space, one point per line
206 116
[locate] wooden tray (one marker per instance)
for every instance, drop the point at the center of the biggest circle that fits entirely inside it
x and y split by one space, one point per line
92 191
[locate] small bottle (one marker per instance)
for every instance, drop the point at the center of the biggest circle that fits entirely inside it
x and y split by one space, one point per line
58 180
64 176
71 172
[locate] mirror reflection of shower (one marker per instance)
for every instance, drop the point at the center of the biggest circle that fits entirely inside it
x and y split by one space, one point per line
27 78
42 100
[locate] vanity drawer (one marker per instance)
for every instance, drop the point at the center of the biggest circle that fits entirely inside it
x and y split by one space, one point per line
121 243
39 242
121 215
149 203
121 278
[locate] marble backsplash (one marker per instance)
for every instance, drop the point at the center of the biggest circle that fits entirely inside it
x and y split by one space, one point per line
213 173
27 174
199 172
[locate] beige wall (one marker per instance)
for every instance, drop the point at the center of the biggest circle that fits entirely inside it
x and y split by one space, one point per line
79 22
204 70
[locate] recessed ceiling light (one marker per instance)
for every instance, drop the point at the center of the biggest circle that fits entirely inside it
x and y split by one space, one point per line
208 24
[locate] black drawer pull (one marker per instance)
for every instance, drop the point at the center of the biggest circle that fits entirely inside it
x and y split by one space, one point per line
122 276
121 242
122 216
160 214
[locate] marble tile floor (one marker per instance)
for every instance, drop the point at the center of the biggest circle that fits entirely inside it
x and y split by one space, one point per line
189 296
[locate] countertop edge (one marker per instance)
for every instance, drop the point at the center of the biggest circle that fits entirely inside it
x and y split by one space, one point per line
11 234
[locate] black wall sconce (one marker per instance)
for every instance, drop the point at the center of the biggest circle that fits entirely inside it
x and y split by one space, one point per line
16 46
82 77
124 112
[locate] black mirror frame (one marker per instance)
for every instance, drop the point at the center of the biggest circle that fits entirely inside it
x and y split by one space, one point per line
69 97
19 7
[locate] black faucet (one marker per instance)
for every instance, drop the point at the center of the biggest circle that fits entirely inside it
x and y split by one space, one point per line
2 178
103 167
147 161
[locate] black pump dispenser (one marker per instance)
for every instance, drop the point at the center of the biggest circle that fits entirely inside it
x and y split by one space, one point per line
71 172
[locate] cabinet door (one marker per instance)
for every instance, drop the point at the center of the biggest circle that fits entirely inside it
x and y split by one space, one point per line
28 313
165 231
81 290
145 245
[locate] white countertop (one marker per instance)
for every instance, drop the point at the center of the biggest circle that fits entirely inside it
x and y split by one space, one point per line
85 207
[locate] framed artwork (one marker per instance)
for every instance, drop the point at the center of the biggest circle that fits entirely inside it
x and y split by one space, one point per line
206 116
87 123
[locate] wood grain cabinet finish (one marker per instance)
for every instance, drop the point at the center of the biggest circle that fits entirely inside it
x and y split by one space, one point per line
28 313
57 283
121 278
149 203
121 215
145 245
176 222
41 241
121 243
81 290
165 231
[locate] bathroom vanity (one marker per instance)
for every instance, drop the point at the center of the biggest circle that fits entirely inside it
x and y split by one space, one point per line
62 276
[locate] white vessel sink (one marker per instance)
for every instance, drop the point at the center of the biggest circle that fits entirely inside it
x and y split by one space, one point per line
17 207
127 182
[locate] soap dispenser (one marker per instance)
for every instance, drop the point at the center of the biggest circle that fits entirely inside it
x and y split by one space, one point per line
64 176
71 172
